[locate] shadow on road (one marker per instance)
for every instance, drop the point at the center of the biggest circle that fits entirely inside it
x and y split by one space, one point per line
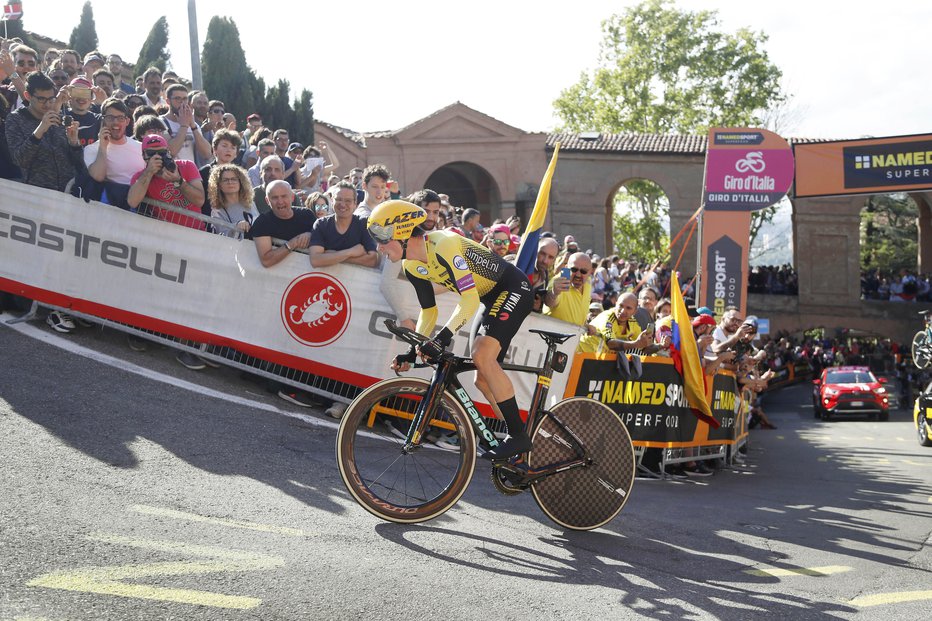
801 490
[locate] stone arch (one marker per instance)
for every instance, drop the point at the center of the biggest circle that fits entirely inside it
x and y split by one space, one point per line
610 205
469 185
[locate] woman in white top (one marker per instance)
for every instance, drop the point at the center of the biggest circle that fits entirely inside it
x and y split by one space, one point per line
231 198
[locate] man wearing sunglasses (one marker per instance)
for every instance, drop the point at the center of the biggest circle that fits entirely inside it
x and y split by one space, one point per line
176 182
480 278
572 291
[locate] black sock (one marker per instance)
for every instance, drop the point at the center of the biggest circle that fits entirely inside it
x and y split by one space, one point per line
509 410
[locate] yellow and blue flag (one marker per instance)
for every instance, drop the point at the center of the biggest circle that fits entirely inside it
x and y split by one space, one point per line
685 355
526 260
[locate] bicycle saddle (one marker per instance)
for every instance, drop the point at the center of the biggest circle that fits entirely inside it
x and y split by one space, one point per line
554 337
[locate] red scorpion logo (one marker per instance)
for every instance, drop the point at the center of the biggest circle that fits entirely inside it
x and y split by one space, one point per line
315 309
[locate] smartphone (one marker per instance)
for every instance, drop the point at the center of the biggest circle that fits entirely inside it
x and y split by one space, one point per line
81 93
565 272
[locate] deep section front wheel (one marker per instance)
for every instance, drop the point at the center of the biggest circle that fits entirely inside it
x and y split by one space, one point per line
588 497
922 357
396 483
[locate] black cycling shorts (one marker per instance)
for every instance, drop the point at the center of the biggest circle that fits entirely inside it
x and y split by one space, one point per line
505 308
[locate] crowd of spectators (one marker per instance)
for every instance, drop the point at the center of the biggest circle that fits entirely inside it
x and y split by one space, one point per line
161 149
901 286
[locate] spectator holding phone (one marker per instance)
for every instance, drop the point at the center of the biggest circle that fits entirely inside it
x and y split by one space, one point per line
46 152
80 101
572 291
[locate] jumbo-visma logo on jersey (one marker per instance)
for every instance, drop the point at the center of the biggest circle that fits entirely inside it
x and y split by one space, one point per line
315 309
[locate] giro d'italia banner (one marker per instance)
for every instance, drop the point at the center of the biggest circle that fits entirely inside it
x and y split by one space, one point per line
653 407
873 166
103 261
745 170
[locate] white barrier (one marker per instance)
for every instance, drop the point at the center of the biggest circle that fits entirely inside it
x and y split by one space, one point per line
103 261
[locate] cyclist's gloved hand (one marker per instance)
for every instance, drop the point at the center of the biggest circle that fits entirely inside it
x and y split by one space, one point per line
409 357
434 348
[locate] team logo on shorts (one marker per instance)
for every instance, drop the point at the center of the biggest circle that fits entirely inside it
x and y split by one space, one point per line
316 309
460 263
422 270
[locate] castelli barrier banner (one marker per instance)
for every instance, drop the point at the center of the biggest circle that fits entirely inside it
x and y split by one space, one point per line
100 260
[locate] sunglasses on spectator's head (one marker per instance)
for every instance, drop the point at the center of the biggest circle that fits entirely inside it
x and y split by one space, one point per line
151 152
580 270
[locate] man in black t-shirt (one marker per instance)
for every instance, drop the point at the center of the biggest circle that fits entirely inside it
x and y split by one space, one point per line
282 222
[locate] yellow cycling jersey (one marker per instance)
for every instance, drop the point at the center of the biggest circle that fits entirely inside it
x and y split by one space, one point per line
459 265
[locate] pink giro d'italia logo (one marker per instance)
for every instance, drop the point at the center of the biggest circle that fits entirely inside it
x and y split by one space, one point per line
316 309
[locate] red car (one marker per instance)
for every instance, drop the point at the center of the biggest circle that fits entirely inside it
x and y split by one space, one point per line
849 390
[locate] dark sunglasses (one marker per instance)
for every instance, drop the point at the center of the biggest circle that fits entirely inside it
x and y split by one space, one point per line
151 152
218 111
580 270
500 242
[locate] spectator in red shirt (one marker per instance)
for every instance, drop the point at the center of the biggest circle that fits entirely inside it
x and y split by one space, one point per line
175 182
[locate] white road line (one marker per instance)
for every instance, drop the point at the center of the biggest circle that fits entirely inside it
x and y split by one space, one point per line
79 350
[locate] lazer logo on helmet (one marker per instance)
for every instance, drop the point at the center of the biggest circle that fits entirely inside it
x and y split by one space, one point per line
402 218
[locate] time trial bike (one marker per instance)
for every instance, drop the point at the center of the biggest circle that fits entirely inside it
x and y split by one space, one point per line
580 468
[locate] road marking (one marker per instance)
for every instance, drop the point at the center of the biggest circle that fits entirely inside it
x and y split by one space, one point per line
109 580
823 459
878 599
781 437
194 517
124 365
913 463
799 571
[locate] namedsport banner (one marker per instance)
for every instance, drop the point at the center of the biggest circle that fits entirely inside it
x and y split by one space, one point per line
873 166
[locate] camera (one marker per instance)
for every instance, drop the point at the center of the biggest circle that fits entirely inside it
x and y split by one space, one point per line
66 121
168 163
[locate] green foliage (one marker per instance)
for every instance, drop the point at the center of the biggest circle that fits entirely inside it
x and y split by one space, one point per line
154 52
663 70
84 36
889 233
228 77
636 221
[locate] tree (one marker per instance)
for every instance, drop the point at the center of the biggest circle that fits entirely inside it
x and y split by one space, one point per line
227 76
889 233
662 70
154 52
84 36
303 129
640 207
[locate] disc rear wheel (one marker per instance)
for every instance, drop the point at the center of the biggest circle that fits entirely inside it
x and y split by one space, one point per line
588 497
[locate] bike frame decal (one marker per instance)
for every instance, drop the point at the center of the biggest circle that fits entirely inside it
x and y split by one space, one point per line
484 432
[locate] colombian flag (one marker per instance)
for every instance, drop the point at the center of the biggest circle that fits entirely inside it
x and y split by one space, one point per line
685 356
526 260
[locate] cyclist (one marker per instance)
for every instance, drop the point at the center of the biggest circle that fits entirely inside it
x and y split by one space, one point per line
479 276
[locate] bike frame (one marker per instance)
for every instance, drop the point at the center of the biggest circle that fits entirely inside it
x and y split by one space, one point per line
446 375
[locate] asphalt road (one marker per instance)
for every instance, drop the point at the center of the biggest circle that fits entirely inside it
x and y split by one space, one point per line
133 488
